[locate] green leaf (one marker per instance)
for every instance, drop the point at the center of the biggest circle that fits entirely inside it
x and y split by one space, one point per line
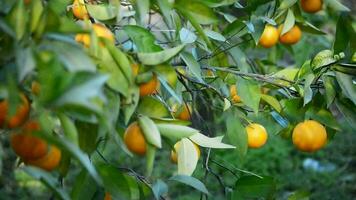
237 134
159 188
36 13
156 58
102 11
190 181
255 187
17 18
308 92
325 117
150 159
84 187
342 35
69 129
272 101
192 64
150 131
289 22
348 110
25 63
299 195
48 180
152 107
187 157
286 4
186 36
169 89
87 136
131 103
208 142
250 93
174 131
347 85
121 60
114 181
142 38
215 35
336 5
73 58
142 8
200 12
84 93
330 93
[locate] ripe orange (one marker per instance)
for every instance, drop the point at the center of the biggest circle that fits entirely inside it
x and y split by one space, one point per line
18 118
150 87
174 155
79 10
309 136
134 139
291 37
100 31
35 88
48 162
256 135
185 113
311 6
26 145
233 94
269 36
107 196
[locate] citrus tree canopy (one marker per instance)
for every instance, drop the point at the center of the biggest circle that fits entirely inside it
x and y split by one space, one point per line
110 99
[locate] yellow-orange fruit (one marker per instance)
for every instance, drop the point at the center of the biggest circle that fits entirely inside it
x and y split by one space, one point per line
100 31
18 118
291 37
233 94
150 87
174 155
79 10
269 36
311 6
186 113
48 162
28 146
256 135
107 196
134 139
309 136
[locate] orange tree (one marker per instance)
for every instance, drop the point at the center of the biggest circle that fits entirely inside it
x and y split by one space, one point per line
84 83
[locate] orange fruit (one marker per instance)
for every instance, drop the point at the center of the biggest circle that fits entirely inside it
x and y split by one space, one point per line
107 196
79 10
26 145
35 88
186 113
309 136
134 139
291 37
269 36
233 94
311 6
174 155
48 162
150 87
27 1
18 118
100 31
256 135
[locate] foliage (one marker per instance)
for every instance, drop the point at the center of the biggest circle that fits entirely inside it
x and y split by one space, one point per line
90 91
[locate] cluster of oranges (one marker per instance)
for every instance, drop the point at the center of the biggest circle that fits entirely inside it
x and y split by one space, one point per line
32 150
271 34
